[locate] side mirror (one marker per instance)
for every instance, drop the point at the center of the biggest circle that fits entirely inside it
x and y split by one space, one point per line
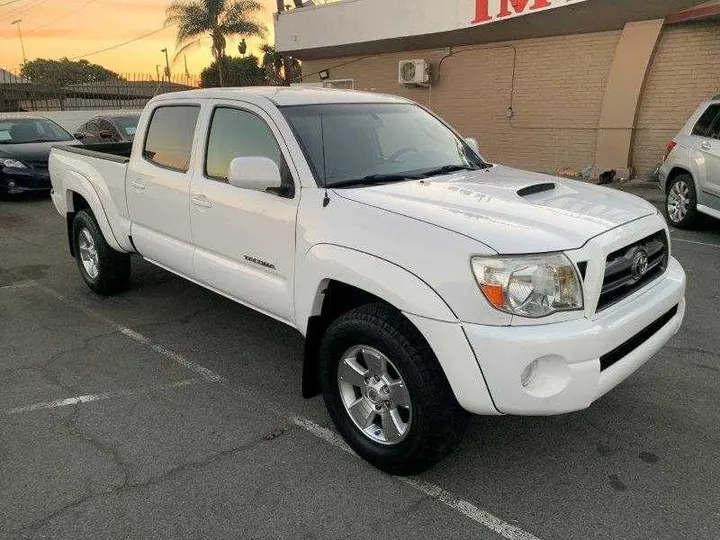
472 143
257 173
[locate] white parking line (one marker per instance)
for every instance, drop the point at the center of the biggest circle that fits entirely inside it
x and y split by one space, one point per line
205 373
19 285
44 405
486 519
706 244
436 492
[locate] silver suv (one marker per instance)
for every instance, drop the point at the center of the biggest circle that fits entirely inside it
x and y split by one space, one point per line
690 173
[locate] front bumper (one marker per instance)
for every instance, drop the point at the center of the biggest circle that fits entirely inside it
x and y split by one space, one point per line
568 375
663 174
16 181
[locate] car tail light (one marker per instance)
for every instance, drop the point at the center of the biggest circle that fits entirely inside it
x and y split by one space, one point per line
669 148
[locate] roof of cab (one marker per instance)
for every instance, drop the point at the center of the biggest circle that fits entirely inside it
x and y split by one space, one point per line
285 96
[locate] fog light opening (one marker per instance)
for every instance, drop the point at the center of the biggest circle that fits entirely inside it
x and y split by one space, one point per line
528 374
11 184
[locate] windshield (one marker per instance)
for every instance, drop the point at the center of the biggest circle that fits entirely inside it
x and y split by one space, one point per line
27 130
127 125
374 143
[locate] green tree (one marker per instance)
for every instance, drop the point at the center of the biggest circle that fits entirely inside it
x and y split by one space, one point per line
64 72
273 64
245 71
219 19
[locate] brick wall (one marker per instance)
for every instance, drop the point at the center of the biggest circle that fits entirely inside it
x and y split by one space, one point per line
556 90
685 72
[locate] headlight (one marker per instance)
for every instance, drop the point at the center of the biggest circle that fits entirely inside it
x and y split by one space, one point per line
12 163
529 286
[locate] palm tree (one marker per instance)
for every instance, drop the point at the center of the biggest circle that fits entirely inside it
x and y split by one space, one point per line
217 18
273 63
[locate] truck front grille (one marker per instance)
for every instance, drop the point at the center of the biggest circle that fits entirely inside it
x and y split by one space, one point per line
632 267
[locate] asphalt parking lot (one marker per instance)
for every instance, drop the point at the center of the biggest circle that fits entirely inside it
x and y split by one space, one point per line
169 412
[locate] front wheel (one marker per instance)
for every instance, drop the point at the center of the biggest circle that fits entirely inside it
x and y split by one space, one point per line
681 202
386 391
103 269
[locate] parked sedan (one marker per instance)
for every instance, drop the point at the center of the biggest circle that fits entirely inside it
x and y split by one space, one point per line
108 129
25 144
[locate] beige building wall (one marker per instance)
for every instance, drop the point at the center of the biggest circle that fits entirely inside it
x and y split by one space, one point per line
685 72
555 87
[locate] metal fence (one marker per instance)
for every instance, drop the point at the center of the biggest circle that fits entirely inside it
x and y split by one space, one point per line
133 91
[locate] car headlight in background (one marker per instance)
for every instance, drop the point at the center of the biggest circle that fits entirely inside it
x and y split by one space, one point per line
11 163
529 286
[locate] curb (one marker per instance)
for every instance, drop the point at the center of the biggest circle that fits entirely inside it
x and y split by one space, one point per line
639 184
627 184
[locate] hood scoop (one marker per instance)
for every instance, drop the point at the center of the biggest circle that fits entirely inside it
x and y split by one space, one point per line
536 188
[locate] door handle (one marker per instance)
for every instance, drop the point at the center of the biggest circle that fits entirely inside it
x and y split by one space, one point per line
706 145
137 185
201 201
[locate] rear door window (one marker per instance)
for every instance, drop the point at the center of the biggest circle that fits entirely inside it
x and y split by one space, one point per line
707 122
91 128
714 131
170 136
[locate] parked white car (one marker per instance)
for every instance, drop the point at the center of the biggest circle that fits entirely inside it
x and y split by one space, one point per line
690 173
427 282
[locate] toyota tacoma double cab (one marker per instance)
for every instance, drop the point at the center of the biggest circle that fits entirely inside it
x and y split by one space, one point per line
428 283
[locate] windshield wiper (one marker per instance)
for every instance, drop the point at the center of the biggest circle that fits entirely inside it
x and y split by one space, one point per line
375 179
447 169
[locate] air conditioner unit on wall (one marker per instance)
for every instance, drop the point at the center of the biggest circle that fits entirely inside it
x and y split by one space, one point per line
414 72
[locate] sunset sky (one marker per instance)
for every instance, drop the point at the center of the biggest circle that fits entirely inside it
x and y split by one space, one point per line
70 28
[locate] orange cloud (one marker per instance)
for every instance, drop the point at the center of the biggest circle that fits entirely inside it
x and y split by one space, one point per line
101 24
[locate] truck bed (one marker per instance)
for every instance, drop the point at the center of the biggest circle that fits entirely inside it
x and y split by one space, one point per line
117 152
97 174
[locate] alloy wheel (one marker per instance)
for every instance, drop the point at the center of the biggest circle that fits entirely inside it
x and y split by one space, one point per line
374 395
678 202
88 253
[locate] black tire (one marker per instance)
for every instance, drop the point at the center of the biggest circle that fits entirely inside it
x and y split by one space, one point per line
438 421
692 217
113 274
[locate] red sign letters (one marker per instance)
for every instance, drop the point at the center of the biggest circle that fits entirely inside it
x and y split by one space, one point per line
508 8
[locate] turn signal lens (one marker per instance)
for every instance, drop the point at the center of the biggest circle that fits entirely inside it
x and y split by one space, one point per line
533 286
494 294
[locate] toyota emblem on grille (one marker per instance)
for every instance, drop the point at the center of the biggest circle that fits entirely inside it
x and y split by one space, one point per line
640 264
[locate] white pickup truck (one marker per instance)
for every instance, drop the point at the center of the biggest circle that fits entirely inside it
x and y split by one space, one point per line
427 282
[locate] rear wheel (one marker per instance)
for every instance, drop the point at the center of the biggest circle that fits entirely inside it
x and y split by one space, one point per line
681 202
103 269
386 391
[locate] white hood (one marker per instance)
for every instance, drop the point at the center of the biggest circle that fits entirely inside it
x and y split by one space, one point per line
486 206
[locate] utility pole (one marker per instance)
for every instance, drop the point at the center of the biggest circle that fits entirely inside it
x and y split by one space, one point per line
22 45
167 63
287 63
